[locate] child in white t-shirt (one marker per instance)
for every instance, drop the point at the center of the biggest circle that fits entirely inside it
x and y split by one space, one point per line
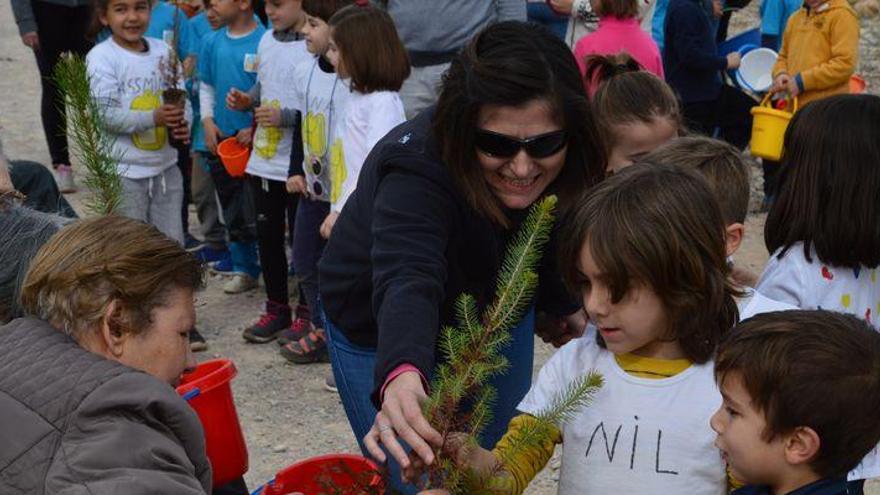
824 230
126 81
723 167
364 48
645 248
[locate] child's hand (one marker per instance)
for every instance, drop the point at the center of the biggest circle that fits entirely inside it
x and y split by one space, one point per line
244 136
297 185
168 115
181 133
237 100
268 116
327 226
464 452
780 84
212 134
733 60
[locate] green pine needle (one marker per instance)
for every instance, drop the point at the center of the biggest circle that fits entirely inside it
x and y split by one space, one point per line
576 396
85 128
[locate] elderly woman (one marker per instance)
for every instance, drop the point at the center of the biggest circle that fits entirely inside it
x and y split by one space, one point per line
86 398
436 203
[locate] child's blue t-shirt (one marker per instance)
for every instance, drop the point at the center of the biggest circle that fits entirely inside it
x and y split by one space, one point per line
227 63
775 14
162 27
200 29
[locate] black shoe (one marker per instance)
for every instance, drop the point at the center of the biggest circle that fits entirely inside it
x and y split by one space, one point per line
273 322
196 342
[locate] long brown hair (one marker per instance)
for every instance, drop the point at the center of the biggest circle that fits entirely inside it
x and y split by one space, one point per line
89 264
370 49
513 63
659 225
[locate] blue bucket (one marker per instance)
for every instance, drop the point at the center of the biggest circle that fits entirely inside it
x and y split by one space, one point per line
751 37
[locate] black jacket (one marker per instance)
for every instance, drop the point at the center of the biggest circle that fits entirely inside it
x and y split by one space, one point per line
406 245
690 55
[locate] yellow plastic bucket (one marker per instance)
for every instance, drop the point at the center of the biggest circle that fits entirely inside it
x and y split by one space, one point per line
768 129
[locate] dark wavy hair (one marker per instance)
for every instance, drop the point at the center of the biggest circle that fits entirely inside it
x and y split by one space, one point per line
659 225
513 63
829 196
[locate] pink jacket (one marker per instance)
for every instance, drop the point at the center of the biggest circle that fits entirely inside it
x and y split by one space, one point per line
615 35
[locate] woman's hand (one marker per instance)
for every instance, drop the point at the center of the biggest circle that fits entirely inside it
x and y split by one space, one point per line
327 227
401 415
559 330
465 453
31 40
561 7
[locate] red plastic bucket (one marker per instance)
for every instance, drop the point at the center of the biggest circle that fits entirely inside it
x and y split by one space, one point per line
234 156
347 474
208 392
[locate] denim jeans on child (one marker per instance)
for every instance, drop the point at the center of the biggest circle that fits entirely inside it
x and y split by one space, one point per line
156 200
353 368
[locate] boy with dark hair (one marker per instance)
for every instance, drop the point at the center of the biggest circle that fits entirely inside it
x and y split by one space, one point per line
724 168
801 390
229 60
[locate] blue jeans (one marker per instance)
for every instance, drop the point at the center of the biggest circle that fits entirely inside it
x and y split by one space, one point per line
541 13
354 365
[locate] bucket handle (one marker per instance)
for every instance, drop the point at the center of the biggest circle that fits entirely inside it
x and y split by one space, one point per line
766 102
192 394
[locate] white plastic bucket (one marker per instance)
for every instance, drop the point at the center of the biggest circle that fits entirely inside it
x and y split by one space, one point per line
755 71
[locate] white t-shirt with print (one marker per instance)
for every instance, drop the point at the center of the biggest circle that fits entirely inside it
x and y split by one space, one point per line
368 117
321 98
128 86
814 285
270 158
638 435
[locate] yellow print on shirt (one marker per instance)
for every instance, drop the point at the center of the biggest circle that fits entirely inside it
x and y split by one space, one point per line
337 170
313 134
152 139
266 138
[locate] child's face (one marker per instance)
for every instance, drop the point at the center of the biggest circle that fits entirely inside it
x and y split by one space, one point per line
284 14
634 140
317 34
213 17
127 20
739 426
228 10
636 324
335 57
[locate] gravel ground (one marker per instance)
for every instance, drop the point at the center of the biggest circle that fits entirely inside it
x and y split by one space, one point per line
285 412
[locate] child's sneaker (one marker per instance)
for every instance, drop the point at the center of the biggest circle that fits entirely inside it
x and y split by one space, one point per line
330 383
271 323
190 243
222 266
208 254
64 178
310 349
196 342
298 329
240 282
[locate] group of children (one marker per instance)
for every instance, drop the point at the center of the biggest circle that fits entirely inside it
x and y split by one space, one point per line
310 95
693 401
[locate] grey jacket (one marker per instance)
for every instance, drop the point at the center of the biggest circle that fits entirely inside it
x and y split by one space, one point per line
24 13
72 422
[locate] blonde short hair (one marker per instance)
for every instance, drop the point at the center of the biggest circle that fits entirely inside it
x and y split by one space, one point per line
93 262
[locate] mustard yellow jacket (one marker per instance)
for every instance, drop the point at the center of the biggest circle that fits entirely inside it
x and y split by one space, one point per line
822 46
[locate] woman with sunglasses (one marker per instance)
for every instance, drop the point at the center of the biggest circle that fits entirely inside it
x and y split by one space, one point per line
435 205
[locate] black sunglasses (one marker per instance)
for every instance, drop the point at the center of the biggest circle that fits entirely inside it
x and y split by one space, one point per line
504 146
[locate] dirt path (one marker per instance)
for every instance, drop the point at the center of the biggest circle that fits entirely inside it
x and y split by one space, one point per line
286 413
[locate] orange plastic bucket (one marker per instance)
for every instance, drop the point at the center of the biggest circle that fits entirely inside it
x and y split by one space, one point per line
346 474
768 129
234 156
208 392
857 85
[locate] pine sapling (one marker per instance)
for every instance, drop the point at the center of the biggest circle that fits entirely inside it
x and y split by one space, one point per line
171 68
85 128
473 356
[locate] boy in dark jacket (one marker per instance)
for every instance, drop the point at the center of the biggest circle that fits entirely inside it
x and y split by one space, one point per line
801 391
693 69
